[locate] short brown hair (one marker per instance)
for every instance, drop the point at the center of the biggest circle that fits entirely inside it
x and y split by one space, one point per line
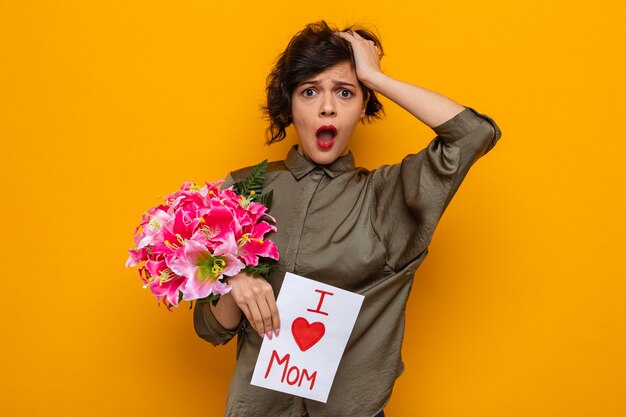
311 51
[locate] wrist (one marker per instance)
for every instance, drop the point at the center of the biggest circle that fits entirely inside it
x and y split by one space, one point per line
226 302
375 81
226 312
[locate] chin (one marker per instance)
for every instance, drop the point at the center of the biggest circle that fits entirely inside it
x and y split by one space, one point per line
324 158
325 161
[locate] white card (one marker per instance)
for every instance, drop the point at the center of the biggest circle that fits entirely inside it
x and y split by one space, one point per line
315 323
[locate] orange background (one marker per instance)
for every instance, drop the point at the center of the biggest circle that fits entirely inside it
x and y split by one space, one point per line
105 105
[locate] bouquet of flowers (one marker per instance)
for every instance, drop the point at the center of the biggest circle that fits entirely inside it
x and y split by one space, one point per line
186 247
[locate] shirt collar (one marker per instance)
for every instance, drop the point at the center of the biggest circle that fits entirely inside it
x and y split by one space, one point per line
300 166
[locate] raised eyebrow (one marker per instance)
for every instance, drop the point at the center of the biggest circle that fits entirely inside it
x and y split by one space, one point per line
344 83
337 82
311 82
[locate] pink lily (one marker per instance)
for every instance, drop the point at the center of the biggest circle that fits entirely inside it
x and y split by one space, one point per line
136 256
203 269
152 230
164 282
199 236
216 225
252 244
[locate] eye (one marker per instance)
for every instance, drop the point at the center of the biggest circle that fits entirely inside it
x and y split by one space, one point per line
308 92
344 93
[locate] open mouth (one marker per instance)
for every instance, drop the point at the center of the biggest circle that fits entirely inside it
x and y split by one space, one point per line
326 136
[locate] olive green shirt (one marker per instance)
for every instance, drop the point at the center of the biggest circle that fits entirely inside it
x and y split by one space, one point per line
363 231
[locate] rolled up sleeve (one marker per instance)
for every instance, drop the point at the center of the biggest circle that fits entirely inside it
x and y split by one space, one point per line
416 192
208 328
466 122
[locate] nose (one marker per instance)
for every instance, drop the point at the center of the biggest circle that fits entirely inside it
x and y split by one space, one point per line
327 106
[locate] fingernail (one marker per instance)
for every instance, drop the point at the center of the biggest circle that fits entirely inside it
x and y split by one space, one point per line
262 335
269 335
276 332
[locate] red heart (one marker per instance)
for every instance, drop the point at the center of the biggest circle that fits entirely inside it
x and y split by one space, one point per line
305 334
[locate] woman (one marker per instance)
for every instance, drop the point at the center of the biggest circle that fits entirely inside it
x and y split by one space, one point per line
363 231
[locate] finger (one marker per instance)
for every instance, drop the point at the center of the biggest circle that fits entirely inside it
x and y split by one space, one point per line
246 312
257 320
349 36
356 35
266 316
271 302
344 35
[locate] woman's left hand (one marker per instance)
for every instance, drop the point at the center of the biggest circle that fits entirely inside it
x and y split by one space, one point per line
365 57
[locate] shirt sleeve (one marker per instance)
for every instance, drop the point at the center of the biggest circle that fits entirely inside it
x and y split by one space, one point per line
229 181
409 198
208 328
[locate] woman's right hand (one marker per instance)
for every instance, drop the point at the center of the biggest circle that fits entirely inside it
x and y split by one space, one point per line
255 297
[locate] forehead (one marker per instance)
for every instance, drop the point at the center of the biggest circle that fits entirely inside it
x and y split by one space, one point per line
341 72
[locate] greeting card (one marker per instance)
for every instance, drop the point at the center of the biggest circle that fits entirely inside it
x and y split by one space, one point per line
316 322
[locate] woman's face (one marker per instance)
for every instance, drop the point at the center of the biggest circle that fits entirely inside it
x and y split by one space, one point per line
324 110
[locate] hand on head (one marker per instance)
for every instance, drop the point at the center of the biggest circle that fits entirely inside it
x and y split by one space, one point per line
366 56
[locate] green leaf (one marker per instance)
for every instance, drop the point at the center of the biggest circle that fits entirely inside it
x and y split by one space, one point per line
253 182
262 269
210 299
265 199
